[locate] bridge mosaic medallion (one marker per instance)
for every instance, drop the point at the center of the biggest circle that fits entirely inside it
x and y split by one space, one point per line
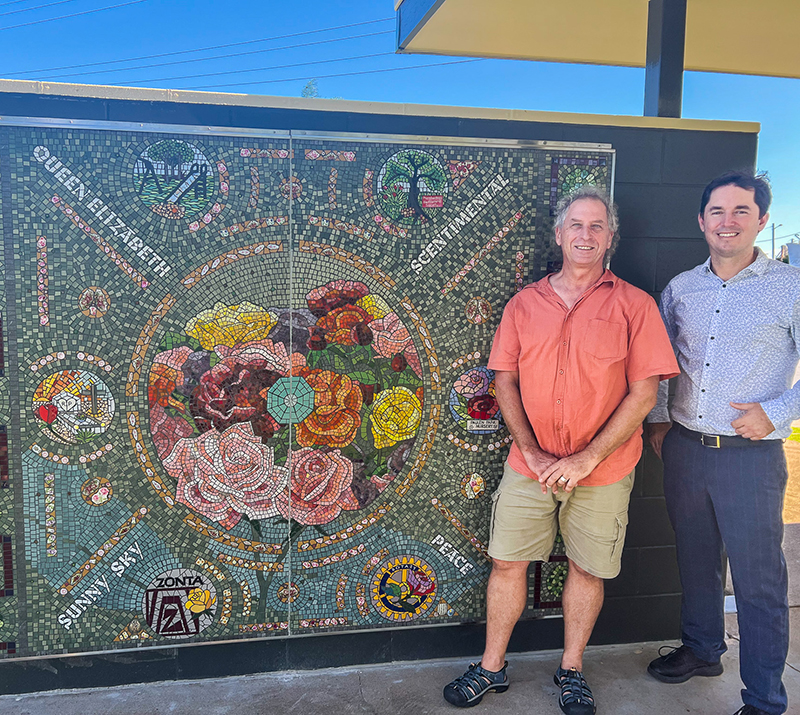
243 389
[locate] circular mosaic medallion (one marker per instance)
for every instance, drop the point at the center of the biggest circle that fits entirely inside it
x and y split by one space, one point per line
478 310
288 592
412 186
73 406
472 486
173 178
180 603
291 187
96 491
403 588
94 302
472 402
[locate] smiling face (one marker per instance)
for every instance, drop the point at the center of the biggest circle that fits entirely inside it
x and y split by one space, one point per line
731 222
585 236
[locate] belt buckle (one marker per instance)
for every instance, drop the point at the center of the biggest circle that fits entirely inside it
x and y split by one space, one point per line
710 440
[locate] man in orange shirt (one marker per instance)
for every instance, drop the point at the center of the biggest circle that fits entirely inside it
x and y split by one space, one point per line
577 358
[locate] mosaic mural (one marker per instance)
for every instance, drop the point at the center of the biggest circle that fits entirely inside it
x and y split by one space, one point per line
243 382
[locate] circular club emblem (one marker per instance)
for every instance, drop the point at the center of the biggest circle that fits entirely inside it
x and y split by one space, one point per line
412 185
472 402
73 406
404 588
173 178
180 603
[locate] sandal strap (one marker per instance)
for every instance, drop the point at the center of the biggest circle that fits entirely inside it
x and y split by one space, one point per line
574 688
474 681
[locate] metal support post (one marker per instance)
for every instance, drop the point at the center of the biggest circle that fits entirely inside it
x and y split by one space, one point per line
666 38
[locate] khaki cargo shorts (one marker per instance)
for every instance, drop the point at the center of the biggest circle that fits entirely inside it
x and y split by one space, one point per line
592 522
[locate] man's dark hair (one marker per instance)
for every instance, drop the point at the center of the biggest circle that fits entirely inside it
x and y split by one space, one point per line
758 183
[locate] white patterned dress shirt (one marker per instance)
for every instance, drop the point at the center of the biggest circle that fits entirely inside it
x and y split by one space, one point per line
735 341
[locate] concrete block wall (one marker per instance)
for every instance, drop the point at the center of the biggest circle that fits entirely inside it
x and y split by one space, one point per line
660 173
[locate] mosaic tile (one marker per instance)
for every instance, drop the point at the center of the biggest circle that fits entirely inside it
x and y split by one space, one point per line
42 281
250 396
4 474
255 187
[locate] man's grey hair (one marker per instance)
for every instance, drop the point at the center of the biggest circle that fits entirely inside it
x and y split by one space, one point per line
590 192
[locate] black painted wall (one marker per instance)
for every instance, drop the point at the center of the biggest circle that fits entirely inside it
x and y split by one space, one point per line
660 174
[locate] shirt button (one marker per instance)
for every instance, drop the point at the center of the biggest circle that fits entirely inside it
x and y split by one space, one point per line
712 337
560 372
716 311
724 285
558 402
708 364
565 342
702 390
699 417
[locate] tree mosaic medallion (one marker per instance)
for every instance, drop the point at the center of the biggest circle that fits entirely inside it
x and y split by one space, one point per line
249 394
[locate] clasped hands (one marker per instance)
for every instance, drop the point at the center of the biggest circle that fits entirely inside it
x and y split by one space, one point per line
555 473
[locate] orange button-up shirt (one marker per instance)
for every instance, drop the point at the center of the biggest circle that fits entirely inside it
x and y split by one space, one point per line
575 365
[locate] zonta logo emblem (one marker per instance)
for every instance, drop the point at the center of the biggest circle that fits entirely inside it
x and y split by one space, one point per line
180 603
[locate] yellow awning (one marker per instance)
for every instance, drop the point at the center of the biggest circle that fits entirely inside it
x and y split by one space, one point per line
757 37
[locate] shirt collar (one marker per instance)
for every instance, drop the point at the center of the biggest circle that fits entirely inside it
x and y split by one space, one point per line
758 267
543 286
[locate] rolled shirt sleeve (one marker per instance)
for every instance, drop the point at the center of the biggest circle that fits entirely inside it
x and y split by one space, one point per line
506 346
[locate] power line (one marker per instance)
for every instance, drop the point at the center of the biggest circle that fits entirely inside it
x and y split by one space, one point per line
778 238
13 2
342 74
261 69
37 7
75 14
220 57
199 49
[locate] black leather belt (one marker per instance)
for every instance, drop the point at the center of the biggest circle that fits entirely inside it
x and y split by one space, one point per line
717 441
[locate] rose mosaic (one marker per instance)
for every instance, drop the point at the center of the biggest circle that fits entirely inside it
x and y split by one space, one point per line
209 436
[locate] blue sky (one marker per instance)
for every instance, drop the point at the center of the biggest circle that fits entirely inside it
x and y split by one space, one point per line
139 28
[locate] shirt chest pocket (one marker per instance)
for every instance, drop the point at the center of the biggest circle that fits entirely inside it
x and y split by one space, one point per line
766 334
605 340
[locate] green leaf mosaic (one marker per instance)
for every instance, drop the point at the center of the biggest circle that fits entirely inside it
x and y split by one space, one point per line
244 390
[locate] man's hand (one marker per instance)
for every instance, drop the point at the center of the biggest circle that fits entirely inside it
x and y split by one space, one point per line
567 472
655 433
754 423
538 462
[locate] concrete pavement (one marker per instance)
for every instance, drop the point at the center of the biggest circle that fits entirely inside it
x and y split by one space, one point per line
616 674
